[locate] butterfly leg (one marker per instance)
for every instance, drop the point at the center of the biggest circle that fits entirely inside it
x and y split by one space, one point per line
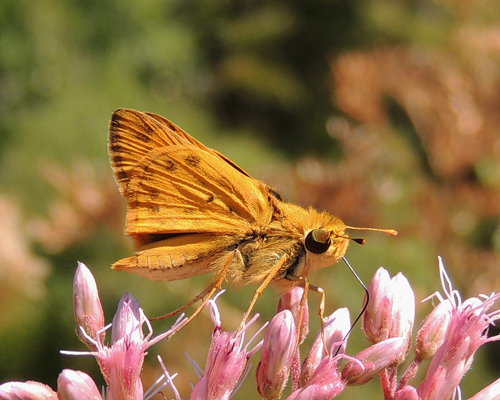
303 301
206 295
197 298
321 313
304 282
260 290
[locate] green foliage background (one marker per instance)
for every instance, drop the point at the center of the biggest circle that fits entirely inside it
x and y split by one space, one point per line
253 79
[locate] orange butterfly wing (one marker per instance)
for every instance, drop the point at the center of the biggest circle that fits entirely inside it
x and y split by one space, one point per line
183 189
132 134
184 199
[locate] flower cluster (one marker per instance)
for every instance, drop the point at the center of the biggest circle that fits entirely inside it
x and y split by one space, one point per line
448 337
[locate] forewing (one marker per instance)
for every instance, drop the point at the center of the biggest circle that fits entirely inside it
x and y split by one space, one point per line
196 143
171 127
133 134
184 189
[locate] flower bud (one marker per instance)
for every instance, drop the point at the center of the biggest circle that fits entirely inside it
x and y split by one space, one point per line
76 385
280 343
26 391
432 333
121 364
88 309
374 359
290 300
377 318
403 312
127 321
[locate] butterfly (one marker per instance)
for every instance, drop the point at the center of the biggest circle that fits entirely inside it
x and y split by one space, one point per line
192 211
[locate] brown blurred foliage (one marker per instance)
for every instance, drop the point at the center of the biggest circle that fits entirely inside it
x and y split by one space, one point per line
443 108
85 199
21 271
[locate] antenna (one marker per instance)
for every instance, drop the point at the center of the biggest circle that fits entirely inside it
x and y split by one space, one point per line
391 232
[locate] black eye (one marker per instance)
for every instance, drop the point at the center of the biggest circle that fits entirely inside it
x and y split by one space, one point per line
317 241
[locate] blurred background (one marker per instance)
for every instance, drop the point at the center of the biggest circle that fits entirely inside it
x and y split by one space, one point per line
384 112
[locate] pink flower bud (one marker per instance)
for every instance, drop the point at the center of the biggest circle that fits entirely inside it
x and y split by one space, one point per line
26 391
432 333
377 319
279 346
121 364
76 385
127 320
290 300
403 312
336 327
374 359
88 309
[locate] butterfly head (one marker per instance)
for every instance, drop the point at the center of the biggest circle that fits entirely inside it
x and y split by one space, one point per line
324 246
327 243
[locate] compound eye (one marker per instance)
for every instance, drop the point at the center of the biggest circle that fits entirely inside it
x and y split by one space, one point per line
318 241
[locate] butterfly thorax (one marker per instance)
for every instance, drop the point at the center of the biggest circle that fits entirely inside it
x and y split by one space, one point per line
284 236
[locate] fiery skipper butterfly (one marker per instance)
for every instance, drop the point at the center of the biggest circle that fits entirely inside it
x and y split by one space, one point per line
193 211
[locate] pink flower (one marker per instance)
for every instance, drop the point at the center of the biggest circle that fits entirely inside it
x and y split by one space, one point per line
466 332
226 361
121 362
280 344
449 336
